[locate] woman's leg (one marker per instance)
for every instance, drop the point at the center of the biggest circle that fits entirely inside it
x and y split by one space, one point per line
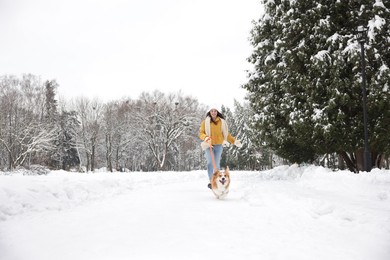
217 149
217 152
210 167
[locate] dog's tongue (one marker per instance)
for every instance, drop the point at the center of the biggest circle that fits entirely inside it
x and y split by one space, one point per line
222 181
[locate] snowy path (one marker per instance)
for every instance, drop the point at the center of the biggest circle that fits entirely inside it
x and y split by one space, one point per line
286 214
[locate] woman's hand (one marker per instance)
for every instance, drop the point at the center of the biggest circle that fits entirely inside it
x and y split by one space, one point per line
208 140
238 143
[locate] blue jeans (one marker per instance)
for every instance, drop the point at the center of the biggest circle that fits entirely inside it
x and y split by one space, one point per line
217 151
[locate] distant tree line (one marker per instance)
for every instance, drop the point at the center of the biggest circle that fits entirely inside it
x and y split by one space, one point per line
156 132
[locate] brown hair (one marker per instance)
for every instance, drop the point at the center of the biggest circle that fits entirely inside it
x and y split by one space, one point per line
219 114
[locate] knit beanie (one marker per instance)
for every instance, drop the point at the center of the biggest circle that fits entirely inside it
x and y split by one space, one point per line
215 106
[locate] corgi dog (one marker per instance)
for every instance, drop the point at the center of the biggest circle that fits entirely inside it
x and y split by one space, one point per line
220 183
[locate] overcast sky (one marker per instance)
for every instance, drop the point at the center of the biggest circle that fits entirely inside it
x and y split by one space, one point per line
116 48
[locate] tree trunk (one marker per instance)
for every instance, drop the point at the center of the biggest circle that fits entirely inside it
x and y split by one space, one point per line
93 158
117 159
351 166
10 161
109 152
88 161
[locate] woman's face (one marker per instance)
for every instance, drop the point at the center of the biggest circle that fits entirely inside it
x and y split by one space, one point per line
213 113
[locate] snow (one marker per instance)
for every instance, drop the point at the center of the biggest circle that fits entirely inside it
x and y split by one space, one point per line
335 37
322 55
375 24
379 3
352 46
317 114
270 57
289 212
324 22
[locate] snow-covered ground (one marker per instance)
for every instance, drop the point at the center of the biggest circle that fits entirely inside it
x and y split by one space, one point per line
286 213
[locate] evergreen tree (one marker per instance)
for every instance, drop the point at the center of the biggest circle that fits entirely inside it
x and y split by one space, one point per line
253 155
227 158
51 121
68 155
306 85
51 102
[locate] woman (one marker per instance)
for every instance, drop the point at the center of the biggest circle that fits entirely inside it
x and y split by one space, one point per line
214 132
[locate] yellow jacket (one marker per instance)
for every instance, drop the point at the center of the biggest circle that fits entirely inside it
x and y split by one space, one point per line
216 132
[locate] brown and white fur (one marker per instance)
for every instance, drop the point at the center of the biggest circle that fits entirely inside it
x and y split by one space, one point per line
220 182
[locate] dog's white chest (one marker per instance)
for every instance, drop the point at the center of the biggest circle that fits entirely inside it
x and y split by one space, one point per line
221 192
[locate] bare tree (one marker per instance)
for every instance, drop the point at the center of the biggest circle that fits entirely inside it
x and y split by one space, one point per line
90 116
109 131
10 97
162 120
120 134
25 134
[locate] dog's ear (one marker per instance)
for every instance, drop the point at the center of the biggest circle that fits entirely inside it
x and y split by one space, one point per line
214 177
227 168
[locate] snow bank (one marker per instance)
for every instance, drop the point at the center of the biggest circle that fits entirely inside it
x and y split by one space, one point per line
374 185
59 190
22 193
